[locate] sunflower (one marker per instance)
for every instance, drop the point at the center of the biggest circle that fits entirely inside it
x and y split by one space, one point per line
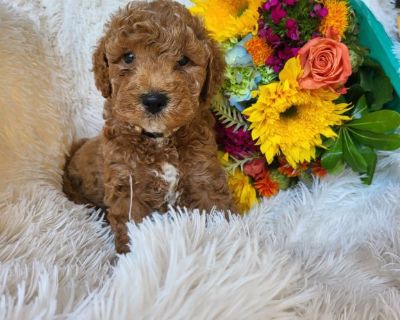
244 194
336 21
291 121
228 18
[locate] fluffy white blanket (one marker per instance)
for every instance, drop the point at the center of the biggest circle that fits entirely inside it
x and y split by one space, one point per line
330 251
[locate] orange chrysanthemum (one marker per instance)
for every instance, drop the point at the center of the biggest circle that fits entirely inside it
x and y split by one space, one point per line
318 170
259 50
266 186
336 22
286 169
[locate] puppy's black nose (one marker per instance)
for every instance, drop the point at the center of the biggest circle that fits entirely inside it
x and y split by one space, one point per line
154 102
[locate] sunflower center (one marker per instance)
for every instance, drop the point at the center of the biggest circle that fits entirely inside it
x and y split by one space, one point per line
290 112
242 6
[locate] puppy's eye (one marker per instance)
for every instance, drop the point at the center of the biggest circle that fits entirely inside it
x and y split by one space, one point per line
128 57
183 61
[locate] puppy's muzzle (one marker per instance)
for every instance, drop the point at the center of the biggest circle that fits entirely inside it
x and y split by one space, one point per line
154 102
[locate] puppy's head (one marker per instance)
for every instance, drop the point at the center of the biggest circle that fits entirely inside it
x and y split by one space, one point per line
157 66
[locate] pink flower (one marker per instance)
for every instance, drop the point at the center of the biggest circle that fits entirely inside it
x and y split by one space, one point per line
269 4
290 2
292 29
319 11
277 14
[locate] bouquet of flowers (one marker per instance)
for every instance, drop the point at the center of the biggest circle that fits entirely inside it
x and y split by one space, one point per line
301 97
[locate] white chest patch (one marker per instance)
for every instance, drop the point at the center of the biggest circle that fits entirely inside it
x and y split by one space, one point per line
170 175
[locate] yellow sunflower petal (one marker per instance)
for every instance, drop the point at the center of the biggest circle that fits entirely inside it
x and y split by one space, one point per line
244 194
240 17
291 71
291 121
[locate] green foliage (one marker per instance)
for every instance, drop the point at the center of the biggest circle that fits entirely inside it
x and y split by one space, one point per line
331 158
383 121
372 126
359 138
228 115
357 52
361 108
371 160
351 154
378 141
237 163
267 74
370 81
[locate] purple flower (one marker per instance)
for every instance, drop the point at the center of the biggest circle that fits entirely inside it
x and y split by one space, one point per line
282 54
275 63
287 52
277 14
270 37
292 29
319 11
290 2
261 24
269 4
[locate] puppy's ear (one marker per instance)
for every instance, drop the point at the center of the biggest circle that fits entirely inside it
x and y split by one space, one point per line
215 71
100 69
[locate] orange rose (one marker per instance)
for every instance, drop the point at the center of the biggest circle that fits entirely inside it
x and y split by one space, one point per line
326 64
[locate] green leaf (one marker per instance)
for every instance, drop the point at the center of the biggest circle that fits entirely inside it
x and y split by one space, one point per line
354 93
352 155
228 115
377 84
332 156
382 121
371 159
361 108
338 168
377 140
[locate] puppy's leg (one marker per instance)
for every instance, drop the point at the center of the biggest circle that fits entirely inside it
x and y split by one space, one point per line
122 202
82 180
118 216
206 185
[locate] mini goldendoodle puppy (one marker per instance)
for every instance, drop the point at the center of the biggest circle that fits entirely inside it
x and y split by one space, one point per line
158 69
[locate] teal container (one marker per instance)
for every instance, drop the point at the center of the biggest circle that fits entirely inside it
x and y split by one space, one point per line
373 36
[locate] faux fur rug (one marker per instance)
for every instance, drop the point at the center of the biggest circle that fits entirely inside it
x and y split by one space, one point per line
328 251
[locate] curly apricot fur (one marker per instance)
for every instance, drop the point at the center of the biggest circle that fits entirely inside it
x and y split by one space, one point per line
159 34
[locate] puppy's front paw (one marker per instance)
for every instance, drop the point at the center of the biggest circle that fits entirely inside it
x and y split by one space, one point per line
121 247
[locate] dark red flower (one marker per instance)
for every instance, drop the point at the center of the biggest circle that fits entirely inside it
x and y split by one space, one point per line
270 37
237 143
255 168
318 170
